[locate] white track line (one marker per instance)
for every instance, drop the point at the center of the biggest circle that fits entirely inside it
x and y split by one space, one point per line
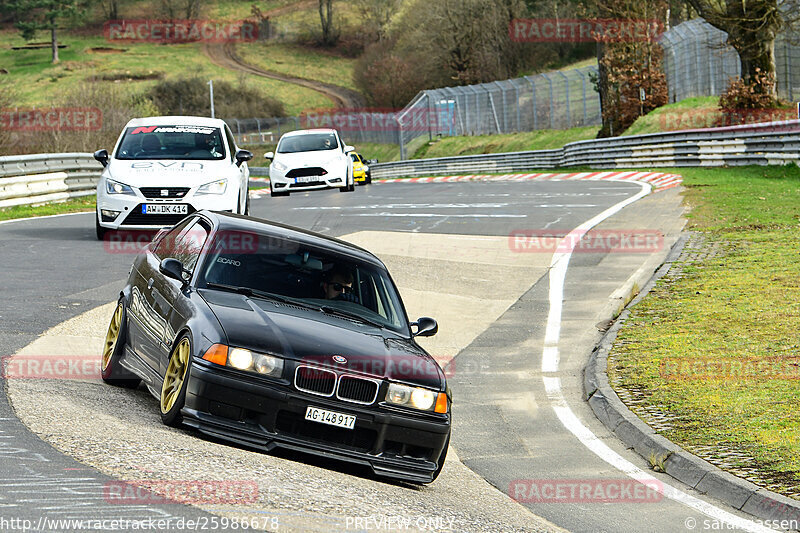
552 385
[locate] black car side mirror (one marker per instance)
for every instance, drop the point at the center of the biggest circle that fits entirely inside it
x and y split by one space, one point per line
102 157
426 327
242 156
172 268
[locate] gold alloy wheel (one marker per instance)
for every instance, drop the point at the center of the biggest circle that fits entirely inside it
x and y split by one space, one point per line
112 337
176 374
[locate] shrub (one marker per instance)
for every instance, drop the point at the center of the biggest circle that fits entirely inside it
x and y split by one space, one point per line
741 97
190 96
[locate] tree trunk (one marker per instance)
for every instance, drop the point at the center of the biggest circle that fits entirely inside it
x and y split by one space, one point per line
54 43
603 90
760 61
326 18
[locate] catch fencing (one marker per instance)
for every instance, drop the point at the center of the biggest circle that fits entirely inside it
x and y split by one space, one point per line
699 62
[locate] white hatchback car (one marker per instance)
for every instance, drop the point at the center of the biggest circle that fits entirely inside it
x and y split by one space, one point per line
307 160
164 168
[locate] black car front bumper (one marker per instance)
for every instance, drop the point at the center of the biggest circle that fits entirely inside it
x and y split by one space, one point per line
263 415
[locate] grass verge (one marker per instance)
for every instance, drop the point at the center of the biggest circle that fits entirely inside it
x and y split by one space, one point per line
714 348
514 142
74 205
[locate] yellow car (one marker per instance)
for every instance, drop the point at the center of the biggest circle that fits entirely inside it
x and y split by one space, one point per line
361 172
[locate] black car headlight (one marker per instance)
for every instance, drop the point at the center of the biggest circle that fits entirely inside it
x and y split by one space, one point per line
242 359
417 398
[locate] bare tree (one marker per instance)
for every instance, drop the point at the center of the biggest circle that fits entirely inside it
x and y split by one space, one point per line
376 14
752 26
329 36
466 41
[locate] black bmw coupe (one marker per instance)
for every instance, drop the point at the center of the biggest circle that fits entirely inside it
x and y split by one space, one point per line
271 336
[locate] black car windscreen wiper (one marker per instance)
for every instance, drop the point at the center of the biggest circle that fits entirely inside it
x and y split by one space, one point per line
347 314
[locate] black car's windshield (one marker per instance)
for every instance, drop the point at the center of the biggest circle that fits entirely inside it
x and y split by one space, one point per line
172 142
292 273
312 142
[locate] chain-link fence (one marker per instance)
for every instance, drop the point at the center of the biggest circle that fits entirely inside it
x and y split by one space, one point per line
555 100
552 100
698 62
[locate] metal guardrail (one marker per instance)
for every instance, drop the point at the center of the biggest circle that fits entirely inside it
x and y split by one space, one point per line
772 143
41 178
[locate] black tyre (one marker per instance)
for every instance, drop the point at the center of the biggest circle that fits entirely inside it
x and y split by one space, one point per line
247 206
99 230
173 388
110 369
273 192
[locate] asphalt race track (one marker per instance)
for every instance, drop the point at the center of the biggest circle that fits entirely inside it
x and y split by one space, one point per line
519 416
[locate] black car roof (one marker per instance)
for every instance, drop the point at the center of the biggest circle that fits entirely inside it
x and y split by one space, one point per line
229 221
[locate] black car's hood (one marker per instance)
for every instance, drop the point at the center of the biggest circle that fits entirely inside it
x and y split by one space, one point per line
314 337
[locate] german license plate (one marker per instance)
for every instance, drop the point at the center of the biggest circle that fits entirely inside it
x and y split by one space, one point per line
306 179
331 418
165 209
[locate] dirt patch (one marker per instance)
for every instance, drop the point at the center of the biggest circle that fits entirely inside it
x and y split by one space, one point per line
106 50
126 76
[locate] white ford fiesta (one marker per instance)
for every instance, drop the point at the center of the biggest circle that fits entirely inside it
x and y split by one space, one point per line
165 168
306 160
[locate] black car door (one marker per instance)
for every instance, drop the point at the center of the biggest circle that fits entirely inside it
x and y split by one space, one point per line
177 306
148 301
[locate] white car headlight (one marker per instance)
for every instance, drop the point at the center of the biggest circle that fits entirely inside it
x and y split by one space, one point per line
115 187
277 165
215 187
416 397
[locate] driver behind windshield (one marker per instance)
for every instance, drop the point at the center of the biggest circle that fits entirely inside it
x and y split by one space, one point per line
338 285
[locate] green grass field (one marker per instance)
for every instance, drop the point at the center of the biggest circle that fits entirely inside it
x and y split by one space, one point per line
84 203
488 144
296 60
681 345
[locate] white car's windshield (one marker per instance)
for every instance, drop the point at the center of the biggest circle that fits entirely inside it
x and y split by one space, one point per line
313 142
172 142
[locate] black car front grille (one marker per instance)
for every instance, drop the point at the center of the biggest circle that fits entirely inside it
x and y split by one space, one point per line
306 184
137 218
356 439
156 192
355 389
315 380
308 171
